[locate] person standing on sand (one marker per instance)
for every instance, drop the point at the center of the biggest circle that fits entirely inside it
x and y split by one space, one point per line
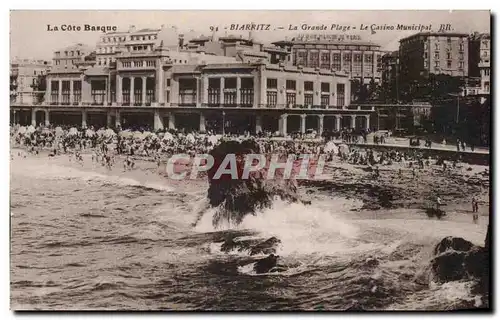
475 208
438 202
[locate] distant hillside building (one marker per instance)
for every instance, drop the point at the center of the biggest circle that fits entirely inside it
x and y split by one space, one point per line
428 53
24 76
69 57
480 63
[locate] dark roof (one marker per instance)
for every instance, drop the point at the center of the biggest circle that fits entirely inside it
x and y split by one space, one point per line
97 71
147 30
435 34
200 39
337 42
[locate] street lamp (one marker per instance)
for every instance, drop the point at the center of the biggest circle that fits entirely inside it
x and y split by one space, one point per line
458 103
223 122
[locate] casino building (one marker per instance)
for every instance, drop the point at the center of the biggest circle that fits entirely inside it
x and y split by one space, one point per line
231 84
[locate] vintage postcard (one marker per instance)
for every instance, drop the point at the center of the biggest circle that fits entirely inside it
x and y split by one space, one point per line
250 160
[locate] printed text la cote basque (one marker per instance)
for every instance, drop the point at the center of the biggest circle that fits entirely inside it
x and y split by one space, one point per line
84 27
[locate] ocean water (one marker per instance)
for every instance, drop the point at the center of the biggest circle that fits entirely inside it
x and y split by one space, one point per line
87 240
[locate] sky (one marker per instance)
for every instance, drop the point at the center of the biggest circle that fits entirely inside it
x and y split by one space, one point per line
30 38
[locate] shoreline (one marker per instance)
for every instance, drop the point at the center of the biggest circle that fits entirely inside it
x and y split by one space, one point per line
390 191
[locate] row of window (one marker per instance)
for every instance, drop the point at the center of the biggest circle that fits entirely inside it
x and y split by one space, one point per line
139 63
291 98
105 61
323 61
131 38
437 64
292 85
69 53
66 62
448 55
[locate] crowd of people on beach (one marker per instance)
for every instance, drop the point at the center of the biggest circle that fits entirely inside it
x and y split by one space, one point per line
105 145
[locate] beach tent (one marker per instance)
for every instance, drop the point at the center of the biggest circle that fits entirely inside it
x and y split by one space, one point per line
137 135
331 147
73 131
344 148
109 133
168 136
190 138
30 129
89 133
125 134
59 131
21 130
214 139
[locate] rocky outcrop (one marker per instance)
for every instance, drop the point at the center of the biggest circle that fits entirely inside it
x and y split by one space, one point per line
458 259
252 246
452 243
266 265
236 198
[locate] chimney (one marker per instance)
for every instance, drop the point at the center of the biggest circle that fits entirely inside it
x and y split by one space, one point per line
131 28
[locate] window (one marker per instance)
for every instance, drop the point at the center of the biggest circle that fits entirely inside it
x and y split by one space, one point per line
368 58
461 56
356 67
347 62
425 55
487 86
308 86
448 55
308 99
340 94
301 58
485 44
436 55
448 39
168 82
272 83
448 64
290 98
272 98
486 72
460 65
461 47
336 62
325 100
325 60
436 64
325 87
291 85
314 59
436 46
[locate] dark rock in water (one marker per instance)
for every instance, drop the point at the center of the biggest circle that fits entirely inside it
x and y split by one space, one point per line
241 245
254 246
433 212
239 197
266 265
458 259
449 266
452 243
266 247
371 262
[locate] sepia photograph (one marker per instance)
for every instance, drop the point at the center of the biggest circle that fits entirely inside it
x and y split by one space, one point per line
250 160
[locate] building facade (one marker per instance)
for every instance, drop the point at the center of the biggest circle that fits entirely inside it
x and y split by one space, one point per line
423 54
24 77
479 63
71 56
171 84
358 60
390 76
